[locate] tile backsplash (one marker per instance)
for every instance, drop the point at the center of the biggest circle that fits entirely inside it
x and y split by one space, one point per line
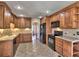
71 32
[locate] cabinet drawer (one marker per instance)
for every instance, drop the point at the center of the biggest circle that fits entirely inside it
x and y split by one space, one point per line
59 50
58 40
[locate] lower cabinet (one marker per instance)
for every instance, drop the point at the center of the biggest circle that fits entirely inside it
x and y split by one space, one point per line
63 47
6 48
23 38
58 47
67 49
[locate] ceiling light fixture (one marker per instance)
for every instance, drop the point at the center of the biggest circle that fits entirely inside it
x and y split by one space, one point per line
19 7
40 17
47 11
21 15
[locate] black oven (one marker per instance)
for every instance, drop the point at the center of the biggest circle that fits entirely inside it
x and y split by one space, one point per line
51 39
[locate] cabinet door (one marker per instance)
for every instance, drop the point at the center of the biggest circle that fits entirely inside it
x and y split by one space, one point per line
73 17
27 23
59 45
7 18
67 48
7 48
27 37
15 21
1 15
68 22
62 20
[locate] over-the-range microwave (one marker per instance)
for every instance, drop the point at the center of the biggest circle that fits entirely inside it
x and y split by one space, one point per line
55 24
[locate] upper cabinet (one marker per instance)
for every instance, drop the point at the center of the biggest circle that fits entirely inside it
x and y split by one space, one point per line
55 18
8 18
22 22
1 15
68 18
5 16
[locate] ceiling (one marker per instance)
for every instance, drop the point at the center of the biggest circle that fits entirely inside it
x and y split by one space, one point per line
35 9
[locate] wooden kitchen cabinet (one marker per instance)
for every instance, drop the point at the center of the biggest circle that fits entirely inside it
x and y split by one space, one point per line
1 15
63 47
62 20
68 22
7 18
67 49
27 23
23 38
54 18
6 48
59 45
15 21
27 37
76 49
22 22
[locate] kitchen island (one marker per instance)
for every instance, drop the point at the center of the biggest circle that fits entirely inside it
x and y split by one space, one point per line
67 46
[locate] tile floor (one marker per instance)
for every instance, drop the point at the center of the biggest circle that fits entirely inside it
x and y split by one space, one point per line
35 49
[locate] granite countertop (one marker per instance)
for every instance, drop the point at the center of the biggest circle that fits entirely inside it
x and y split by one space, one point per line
6 37
70 39
13 35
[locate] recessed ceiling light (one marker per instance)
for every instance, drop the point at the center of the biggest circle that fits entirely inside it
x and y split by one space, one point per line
19 7
47 11
21 15
40 17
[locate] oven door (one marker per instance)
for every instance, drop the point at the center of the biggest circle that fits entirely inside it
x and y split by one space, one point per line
51 43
